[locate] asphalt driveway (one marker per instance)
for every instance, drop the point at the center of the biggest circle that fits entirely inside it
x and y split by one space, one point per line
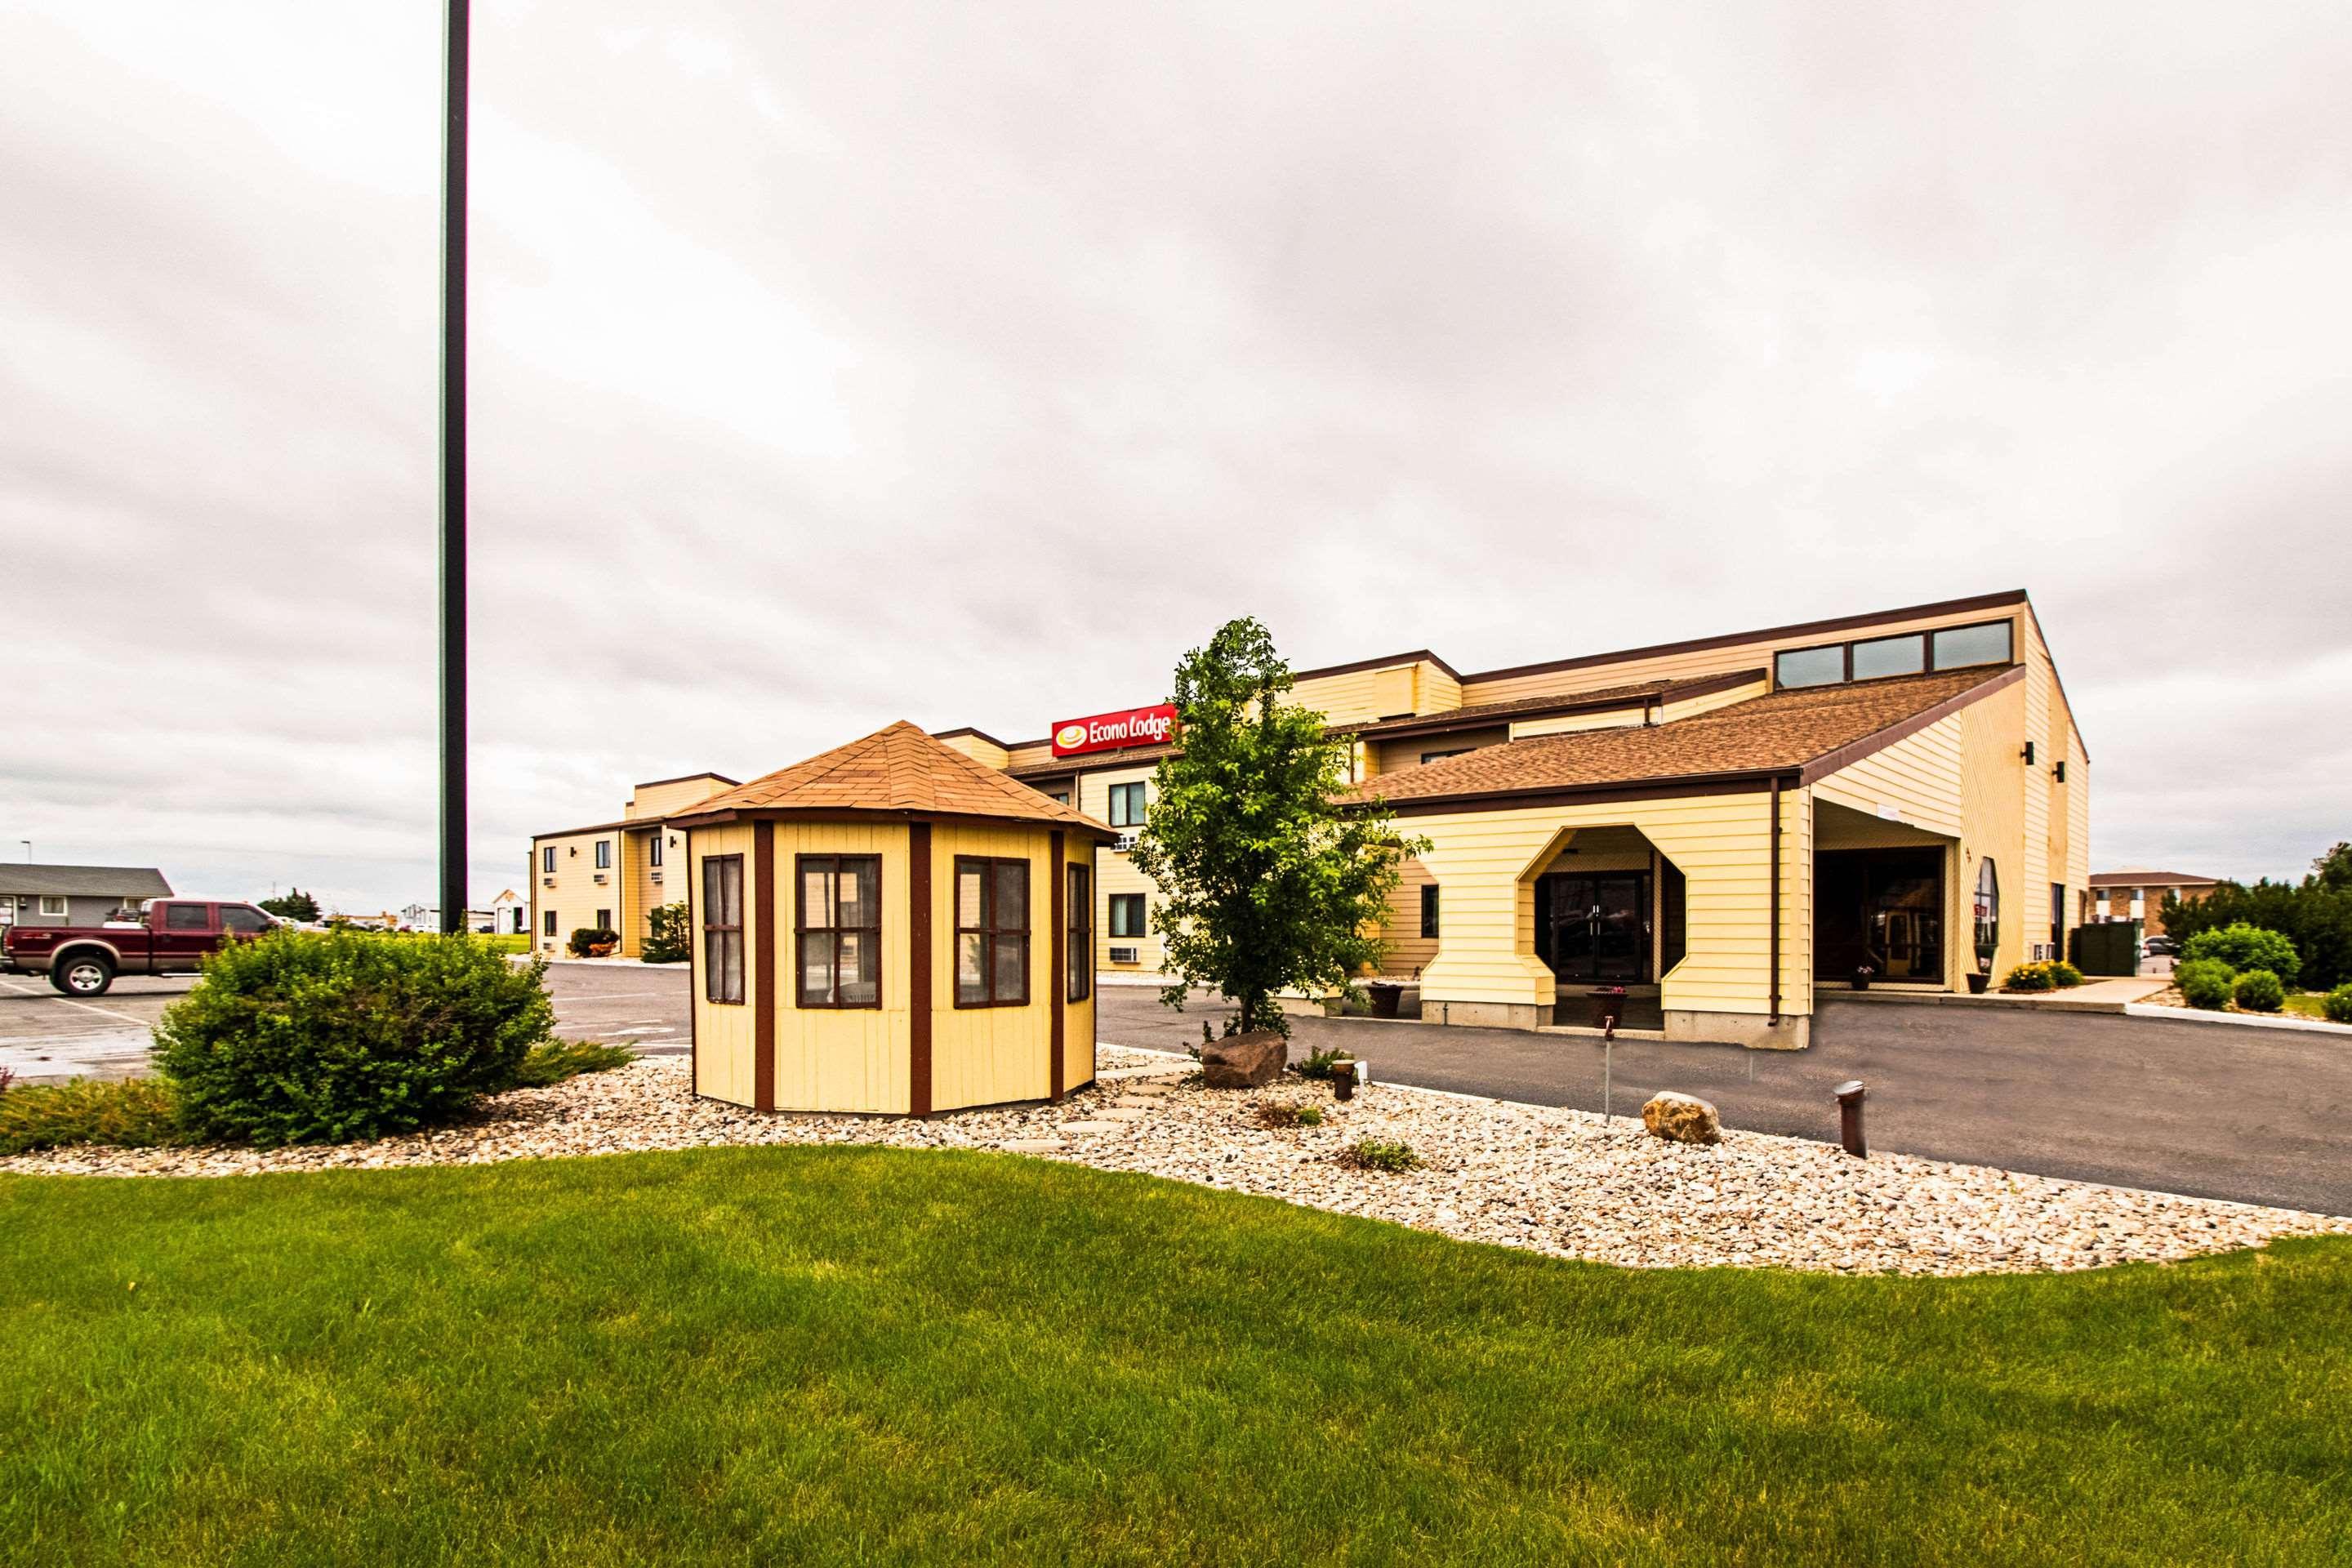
2212 1110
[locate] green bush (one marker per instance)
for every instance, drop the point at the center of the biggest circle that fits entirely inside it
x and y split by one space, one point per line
1280 1114
553 1061
2244 947
585 937
2029 977
1318 1064
2064 974
2337 1005
667 937
2259 991
303 1037
129 1113
1371 1154
2204 982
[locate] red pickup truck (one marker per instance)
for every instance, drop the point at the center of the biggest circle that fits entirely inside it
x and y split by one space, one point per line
170 937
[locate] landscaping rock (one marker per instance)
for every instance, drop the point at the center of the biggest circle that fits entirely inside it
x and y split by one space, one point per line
1243 1061
1682 1119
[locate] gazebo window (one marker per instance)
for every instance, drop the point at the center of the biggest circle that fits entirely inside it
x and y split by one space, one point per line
839 937
722 928
991 931
1078 904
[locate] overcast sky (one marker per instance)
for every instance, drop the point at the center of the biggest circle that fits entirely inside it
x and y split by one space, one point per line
965 363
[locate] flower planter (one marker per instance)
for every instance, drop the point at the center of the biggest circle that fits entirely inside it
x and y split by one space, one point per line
1386 996
1608 1006
1861 980
1978 984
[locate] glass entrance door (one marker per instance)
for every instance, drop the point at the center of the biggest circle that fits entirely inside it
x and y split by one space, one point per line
1595 928
1883 908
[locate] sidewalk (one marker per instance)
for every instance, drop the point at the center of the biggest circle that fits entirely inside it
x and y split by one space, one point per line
2111 996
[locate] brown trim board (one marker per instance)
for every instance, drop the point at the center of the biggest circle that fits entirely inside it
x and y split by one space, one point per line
1388 661
919 987
1754 783
681 778
693 982
763 973
1057 988
1845 756
891 816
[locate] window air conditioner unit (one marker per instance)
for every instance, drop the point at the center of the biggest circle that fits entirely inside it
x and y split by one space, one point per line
1122 955
1125 842
599 876
656 877
547 881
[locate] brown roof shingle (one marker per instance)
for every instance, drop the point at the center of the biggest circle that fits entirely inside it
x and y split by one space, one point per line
1780 732
1558 703
896 768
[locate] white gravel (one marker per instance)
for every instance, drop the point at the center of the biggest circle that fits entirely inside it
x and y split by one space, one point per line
1557 1182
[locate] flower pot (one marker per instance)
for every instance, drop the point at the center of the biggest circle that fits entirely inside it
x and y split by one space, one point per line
1385 998
1977 982
1608 1006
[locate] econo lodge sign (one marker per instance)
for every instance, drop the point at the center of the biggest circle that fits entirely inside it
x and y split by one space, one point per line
1115 731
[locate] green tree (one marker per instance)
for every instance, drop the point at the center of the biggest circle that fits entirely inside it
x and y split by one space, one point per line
666 937
1276 877
2333 870
293 904
2314 915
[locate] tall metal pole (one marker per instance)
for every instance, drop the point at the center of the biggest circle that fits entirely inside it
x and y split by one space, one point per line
455 61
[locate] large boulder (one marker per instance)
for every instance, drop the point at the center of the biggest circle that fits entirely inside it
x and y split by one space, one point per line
1682 1119
1243 1061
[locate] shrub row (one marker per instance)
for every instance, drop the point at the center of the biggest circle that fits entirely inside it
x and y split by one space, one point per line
2049 974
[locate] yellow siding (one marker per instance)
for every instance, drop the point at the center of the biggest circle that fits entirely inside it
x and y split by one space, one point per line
1564 723
1078 1018
1486 864
987 1056
573 892
1918 776
723 1031
978 750
845 1058
1405 950
1992 805
1406 753
1393 691
1752 655
1117 873
1682 708
673 797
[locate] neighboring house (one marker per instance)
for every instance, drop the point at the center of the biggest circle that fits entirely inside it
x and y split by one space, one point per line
511 913
1611 818
2138 895
76 895
613 876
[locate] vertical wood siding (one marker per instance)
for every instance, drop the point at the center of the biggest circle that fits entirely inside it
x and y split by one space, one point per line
987 1056
723 1031
842 1058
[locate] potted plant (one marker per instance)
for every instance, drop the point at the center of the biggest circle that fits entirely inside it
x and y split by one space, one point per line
1608 1006
1980 977
1386 995
1862 973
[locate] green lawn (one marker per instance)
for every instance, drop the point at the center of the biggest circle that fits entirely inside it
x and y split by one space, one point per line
867 1356
2307 1004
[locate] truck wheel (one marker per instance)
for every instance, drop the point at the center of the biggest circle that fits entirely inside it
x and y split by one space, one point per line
83 974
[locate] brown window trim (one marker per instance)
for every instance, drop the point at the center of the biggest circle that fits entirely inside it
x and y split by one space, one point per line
1429 912
1928 666
1144 918
1079 983
1141 799
711 971
988 931
802 929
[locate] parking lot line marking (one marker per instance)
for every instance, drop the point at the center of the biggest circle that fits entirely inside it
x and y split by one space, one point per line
101 1012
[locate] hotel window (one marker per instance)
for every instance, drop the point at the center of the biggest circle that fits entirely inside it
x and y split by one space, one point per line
1428 757
839 939
1079 940
603 853
1126 805
547 859
1882 657
653 851
991 931
1126 915
722 928
604 919
1810 666
1059 796
1429 910
1959 646
547 923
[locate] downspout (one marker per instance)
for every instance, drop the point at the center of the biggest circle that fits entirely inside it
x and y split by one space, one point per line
1774 1020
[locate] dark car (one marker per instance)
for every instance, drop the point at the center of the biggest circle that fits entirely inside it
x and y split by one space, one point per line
2159 947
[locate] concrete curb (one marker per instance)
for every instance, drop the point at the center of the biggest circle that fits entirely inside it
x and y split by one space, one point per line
2244 1020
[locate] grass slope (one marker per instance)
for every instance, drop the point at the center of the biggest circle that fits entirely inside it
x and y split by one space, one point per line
869 1356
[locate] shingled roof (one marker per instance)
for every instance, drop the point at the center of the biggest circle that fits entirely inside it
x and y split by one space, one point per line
1804 732
83 881
1603 696
899 769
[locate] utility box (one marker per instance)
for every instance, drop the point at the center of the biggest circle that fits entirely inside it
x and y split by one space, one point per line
2110 947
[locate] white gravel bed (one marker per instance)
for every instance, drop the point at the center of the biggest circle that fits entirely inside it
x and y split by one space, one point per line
1553 1181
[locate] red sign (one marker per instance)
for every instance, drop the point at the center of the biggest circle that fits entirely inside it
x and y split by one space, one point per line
1153 726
